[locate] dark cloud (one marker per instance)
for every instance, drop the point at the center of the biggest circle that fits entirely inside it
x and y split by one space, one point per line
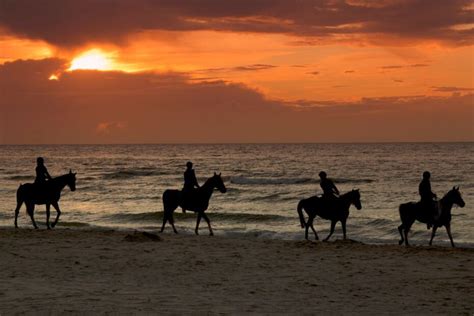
451 89
116 107
254 67
315 73
75 22
349 71
392 67
397 80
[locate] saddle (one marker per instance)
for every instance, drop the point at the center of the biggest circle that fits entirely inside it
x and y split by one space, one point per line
431 209
187 198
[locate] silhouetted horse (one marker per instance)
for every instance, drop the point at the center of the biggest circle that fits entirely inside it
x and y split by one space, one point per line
333 210
47 193
197 201
409 212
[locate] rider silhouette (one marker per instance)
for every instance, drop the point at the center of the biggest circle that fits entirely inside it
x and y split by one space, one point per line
330 190
190 182
428 202
41 172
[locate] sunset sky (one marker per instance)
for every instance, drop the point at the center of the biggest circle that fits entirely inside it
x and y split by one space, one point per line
168 71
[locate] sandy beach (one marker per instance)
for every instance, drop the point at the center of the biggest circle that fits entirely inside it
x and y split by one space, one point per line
100 271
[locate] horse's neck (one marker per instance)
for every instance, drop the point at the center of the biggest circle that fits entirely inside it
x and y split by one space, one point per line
207 187
346 199
446 204
59 182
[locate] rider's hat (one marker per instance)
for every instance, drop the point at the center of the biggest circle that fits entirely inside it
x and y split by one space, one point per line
189 164
323 174
40 160
426 174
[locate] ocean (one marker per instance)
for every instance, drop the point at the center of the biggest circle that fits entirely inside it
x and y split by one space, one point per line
120 186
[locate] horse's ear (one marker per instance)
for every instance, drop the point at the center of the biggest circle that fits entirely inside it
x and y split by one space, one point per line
215 173
454 187
220 174
70 170
457 189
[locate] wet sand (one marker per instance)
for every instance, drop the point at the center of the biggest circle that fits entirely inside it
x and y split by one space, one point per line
100 271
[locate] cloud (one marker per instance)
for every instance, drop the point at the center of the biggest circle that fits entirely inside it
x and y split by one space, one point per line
392 67
116 107
349 71
451 89
107 128
254 67
418 65
315 73
69 23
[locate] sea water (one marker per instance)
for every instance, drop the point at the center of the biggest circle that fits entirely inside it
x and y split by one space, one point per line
121 186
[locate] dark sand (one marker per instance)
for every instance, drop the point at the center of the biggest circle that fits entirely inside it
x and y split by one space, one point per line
93 271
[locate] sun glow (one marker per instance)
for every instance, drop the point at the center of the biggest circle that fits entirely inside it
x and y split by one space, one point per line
94 59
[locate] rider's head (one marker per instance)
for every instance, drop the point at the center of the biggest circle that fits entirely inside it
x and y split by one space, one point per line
426 175
323 175
189 164
40 160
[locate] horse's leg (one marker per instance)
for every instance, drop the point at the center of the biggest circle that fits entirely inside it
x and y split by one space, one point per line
316 237
433 233
308 224
406 229
400 230
333 225
199 214
343 223
30 208
448 230
165 218
17 211
58 213
204 215
48 208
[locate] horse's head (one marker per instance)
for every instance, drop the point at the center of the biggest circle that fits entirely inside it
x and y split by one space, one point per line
355 199
218 183
71 180
455 197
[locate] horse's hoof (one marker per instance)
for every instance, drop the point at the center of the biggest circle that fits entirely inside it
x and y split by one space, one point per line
400 242
211 234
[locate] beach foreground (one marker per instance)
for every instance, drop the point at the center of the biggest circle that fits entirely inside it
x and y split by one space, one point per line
99 271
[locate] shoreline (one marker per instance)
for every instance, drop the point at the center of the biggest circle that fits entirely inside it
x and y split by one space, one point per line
105 270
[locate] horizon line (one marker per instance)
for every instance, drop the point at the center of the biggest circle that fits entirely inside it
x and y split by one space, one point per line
242 143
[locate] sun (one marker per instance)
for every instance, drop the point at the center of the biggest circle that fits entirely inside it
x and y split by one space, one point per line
93 59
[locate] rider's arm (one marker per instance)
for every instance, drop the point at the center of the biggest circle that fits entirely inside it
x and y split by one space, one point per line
47 174
335 188
195 180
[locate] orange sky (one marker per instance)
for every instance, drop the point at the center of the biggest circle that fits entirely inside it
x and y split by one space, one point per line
258 71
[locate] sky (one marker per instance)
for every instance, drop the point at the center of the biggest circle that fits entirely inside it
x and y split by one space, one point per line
236 71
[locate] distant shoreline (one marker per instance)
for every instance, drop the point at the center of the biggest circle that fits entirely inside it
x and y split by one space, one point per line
257 143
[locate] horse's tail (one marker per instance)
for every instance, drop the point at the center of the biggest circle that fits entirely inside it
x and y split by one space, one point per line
300 213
